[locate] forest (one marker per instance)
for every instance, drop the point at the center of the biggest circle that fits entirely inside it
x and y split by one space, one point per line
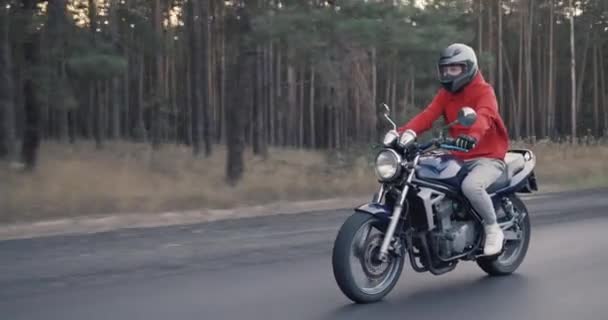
285 73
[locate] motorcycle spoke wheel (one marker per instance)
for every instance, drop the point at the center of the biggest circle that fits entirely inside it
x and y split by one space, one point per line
369 273
512 248
359 273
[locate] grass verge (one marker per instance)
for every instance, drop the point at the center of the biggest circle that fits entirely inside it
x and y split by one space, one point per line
76 180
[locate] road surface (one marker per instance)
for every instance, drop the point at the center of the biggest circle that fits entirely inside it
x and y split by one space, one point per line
279 268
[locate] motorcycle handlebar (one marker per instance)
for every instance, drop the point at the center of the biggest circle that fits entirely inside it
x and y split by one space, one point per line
443 143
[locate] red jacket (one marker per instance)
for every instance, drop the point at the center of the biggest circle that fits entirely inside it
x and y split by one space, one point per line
489 129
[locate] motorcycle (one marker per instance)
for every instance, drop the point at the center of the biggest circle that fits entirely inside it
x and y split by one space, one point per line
420 212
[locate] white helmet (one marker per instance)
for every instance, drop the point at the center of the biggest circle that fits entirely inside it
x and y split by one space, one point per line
457 54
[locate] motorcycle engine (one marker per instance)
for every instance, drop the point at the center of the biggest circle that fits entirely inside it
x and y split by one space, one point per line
454 233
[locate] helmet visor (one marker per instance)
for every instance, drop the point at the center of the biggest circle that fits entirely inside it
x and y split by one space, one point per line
450 71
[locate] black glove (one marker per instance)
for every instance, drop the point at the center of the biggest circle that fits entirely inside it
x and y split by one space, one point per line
465 142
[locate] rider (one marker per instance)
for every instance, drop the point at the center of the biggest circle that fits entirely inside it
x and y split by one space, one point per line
486 140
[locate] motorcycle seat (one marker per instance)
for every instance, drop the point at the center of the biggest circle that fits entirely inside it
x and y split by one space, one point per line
515 163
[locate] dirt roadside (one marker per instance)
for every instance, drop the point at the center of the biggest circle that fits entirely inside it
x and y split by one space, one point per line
109 222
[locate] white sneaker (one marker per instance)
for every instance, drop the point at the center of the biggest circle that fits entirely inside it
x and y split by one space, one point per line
494 240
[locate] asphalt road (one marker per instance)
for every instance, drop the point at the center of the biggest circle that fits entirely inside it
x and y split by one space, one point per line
279 268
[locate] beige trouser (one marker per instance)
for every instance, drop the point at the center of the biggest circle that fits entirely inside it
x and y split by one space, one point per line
483 172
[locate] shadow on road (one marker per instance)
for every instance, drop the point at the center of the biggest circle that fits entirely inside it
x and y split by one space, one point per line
486 294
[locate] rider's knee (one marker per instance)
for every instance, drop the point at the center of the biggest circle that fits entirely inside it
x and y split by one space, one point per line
470 187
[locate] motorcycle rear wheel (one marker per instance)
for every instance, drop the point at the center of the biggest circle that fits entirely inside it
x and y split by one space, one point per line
358 272
515 251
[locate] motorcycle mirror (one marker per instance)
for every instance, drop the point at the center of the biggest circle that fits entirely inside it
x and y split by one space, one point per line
387 117
467 116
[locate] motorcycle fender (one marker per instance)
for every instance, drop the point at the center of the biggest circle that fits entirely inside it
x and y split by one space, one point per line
379 210
529 185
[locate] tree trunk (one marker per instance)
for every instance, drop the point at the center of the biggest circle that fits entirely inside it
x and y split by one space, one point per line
94 106
394 92
387 87
105 102
257 104
189 105
491 43
212 104
301 108
529 84
116 101
291 124
337 123
7 107
222 81
267 72
357 112
596 111
272 95
500 64
97 114
512 99
43 102
313 143
572 74
551 77
63 124
140 127
242 80
31 52
195 75
374 127
155 112
259 143
175 94
280 137
413 88
540 90
480 28
59 92
70 117
116 109
127 120
603 93
520 81
583 70
206 113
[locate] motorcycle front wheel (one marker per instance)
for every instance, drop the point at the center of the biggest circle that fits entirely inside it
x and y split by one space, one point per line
361 276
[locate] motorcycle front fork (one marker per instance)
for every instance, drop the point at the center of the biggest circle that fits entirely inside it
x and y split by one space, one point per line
397 211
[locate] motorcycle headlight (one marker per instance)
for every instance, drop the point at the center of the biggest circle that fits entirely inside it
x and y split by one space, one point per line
388 165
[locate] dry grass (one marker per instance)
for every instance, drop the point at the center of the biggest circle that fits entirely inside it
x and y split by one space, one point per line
79 180
566 166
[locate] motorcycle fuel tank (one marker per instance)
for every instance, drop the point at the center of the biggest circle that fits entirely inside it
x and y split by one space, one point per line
443 167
